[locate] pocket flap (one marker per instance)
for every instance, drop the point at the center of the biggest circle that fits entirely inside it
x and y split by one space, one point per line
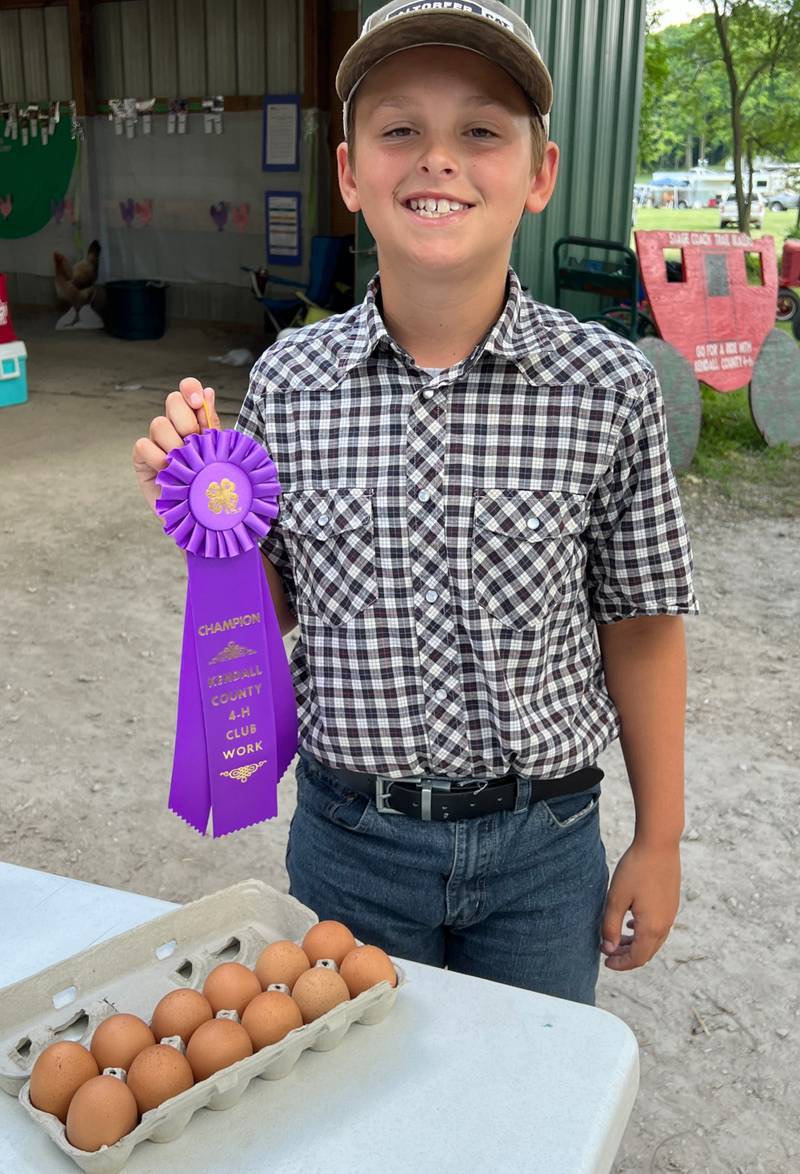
322 513
529 514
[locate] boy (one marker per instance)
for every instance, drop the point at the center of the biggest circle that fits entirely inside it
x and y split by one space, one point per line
482 542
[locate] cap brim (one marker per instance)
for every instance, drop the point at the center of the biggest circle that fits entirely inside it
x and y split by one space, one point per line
465 30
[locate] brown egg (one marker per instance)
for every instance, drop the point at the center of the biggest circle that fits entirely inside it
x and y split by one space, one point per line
158 1073
328 939
364 967
58 1073
180 1013
269 1017
102 1111
282 961
215 1045
318 990
230 987
119 1039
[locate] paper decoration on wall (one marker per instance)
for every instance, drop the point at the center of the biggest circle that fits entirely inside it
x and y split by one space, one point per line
280 147
144 210
178 113
59 207
131 210
34 178
212 114
10 113
241 216
6 204
144 107
219 214
283 228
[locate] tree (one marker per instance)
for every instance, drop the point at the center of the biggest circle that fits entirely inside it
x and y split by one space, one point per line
684 100
758 44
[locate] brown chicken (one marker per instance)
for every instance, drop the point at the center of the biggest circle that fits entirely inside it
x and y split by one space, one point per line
75 285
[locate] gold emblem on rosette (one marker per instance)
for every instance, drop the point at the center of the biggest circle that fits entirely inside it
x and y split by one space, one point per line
243 773
222 495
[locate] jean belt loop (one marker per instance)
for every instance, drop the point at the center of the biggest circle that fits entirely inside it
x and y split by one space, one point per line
523 794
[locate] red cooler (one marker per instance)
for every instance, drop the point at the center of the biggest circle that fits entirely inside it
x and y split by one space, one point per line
6 328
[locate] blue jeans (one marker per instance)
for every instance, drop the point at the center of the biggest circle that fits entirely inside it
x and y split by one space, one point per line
515 896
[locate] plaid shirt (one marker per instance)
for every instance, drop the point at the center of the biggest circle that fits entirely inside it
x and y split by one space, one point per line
449 541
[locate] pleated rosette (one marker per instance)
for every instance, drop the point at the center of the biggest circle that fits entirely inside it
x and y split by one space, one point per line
218 494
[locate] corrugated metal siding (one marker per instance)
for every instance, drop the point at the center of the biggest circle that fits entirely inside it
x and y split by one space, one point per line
594 50
34 55
182 48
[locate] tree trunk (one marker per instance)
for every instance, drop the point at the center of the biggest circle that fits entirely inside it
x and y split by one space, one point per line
721 24
688 159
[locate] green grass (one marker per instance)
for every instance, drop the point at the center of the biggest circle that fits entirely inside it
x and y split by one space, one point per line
731 459
776 224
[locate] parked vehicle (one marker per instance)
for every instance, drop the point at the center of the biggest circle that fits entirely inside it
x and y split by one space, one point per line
729 212
782 201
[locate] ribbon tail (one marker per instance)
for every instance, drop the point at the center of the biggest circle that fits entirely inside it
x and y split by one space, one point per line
283 698
236 682
190 795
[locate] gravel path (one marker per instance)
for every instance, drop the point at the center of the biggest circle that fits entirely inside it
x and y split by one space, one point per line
90 646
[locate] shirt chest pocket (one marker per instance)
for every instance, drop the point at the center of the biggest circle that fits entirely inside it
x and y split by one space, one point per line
330 537
526 552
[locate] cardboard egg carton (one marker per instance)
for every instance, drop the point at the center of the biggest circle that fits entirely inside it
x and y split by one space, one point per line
132 971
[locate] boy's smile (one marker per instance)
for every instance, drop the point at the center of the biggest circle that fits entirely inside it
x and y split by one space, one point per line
441 163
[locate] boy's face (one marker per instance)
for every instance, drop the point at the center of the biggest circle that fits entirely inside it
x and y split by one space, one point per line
439 122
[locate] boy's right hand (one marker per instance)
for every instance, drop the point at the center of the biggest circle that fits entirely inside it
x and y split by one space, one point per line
185 414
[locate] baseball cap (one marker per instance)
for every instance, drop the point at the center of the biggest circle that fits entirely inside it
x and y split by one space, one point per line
491 29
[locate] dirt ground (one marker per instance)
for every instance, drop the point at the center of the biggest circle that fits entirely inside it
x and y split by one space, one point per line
89 648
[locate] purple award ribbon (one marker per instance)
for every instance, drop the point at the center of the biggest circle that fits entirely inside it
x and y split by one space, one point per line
237 720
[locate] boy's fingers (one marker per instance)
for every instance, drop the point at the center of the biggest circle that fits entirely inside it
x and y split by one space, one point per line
192 391
183 419
612 924
164 434
148 457
201 400
210 399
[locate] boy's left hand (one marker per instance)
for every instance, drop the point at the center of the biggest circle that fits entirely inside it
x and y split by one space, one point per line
646 881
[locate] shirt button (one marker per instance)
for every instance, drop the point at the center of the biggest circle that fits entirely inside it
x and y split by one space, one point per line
441 694
424 495
431 595
323 520
533 523
428 393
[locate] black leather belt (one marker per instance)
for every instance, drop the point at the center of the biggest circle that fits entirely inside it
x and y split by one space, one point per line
440 798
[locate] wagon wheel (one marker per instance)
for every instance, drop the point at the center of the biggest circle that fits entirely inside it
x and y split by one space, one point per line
775 390
787 306
681 394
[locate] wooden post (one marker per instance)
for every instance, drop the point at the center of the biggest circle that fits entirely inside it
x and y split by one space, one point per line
316 65
81 52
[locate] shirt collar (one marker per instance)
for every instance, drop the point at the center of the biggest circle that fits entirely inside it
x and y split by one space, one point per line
507 337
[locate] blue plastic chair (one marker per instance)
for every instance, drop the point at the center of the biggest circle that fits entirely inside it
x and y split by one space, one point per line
317 292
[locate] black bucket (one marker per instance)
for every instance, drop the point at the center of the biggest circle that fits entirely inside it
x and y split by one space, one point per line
136 309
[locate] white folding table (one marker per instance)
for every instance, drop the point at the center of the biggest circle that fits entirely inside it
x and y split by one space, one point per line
462 1075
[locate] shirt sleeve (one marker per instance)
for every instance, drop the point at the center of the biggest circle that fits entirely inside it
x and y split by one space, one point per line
252 422
640 558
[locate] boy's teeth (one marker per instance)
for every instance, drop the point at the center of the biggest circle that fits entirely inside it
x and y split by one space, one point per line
431 207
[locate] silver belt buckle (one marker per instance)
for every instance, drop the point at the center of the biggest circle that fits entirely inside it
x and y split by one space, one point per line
382 796
425 786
